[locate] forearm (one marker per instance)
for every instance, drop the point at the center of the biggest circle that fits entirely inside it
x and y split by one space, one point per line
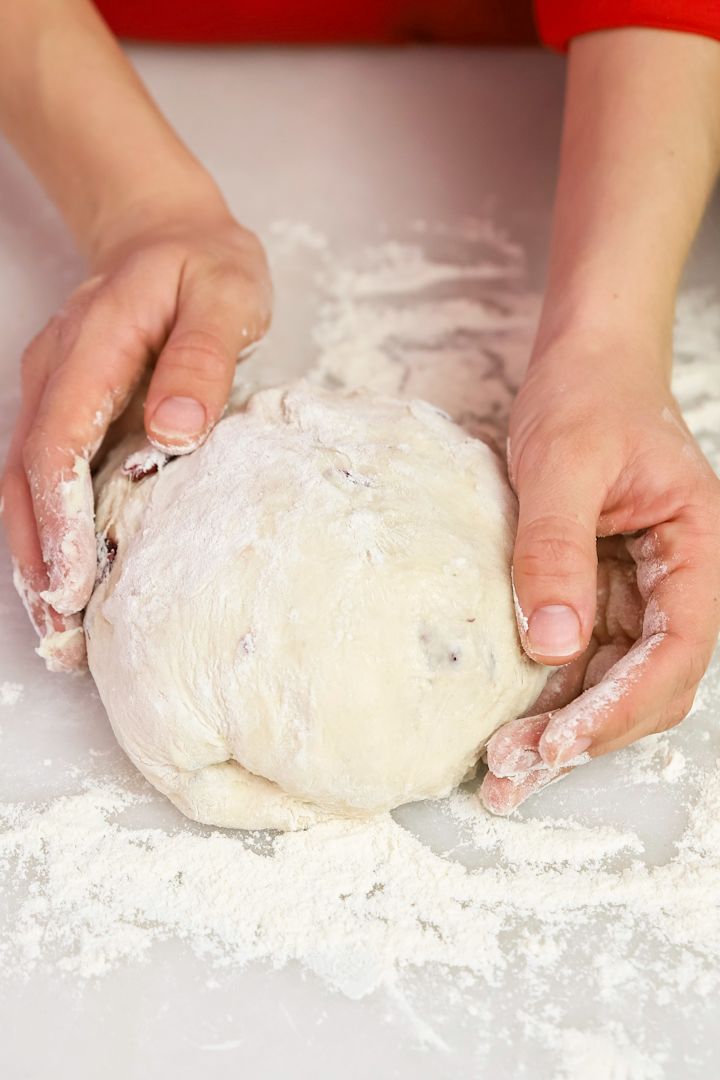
640 154
75 110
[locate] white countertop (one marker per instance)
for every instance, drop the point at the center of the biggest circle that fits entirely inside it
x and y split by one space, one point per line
359 147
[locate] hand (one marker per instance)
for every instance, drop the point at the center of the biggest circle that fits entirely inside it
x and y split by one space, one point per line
186 294
598 447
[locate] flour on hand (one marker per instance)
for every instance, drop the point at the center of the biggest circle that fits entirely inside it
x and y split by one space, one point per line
312 615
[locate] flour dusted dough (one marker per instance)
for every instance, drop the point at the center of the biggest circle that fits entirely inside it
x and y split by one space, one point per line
312 614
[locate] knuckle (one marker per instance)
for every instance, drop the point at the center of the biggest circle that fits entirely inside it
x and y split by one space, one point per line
198 353
249 248
32 358
550 442
63 328
245 295
254 244
49 348
549 543
232 285
31 353
32 450
12 481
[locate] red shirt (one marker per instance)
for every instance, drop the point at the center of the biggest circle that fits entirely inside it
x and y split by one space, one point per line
396 21
560 20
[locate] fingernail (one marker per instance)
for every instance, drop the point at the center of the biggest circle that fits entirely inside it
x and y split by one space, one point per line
554 630
573 750
179 417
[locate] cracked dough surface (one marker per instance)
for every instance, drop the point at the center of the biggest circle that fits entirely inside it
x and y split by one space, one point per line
312 614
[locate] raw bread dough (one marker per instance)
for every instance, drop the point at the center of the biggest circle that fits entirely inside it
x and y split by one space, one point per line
312 614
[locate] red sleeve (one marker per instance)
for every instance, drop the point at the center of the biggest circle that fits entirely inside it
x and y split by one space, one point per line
560 20
498 22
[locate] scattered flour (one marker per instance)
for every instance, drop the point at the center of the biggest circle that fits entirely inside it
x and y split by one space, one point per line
534 841
365 900
11 693
647 761
524 918
392 268
606 1054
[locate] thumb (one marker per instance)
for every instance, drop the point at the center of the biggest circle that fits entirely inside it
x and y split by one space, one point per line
555 560
193 376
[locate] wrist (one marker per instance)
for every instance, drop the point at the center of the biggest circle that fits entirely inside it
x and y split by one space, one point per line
594 345
586 316
639 157
607 306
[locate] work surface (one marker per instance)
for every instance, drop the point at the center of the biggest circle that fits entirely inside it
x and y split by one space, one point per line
405 200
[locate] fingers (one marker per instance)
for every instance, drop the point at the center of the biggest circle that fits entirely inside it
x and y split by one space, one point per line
62 495
566 682
515 768
651 687
620 605
513 749
62 643
94 356
79 374
604 659
216 320
555 559
502 795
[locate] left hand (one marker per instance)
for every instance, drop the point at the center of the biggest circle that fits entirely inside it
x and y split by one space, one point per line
179 296
598 447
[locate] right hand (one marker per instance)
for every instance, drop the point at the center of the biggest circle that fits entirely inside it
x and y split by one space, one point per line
600 448
516 768
187 296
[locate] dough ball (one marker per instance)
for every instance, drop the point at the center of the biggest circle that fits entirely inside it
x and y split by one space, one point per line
311 615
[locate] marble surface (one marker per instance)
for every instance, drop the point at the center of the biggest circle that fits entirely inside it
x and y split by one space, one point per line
359 147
